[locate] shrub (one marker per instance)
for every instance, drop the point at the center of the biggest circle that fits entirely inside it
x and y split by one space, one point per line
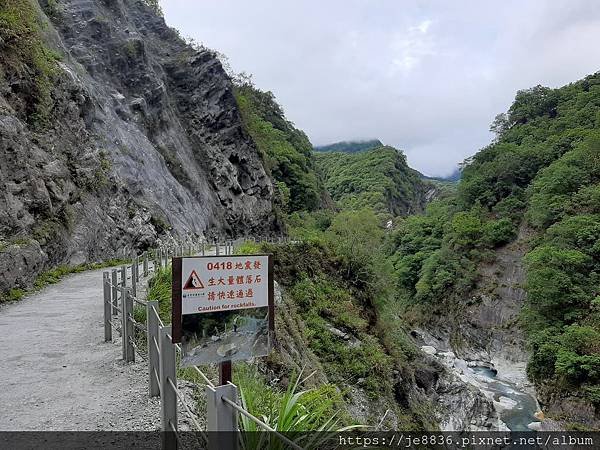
290 411
498 232
25 56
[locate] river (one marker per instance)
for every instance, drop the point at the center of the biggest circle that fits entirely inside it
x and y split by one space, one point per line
521 406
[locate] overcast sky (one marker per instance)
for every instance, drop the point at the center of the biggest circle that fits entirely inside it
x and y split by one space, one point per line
427 77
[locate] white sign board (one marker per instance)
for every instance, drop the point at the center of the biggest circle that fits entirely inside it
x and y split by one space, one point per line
224 284
222 307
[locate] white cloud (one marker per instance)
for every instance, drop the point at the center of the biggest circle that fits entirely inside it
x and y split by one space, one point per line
421 27
409 47
426 77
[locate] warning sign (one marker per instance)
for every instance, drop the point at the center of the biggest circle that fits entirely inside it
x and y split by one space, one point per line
193 282
222 307
224 283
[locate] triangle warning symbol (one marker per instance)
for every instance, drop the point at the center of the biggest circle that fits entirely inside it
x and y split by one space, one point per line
193 282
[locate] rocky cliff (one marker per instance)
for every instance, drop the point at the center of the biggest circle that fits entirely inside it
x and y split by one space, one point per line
113 132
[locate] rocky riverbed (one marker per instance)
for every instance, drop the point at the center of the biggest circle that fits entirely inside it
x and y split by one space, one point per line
514 406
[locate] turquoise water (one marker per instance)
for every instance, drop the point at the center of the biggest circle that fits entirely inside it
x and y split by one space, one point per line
522 414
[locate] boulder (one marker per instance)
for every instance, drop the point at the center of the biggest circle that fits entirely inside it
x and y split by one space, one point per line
428 349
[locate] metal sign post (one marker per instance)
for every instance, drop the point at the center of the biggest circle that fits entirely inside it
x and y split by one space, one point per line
225 373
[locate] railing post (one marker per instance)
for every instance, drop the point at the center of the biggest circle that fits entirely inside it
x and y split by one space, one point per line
203 249
123 277
153 341
127 326
107 309
115 292
145 264
168 401
217 249
124 295
137 268
134 276
221 417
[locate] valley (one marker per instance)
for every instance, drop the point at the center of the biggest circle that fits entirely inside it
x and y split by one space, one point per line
470 303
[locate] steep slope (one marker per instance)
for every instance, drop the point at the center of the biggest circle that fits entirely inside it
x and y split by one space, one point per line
349 146
286 150
512 297
113 132
377 178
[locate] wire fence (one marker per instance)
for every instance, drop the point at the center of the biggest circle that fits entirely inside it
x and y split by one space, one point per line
152 343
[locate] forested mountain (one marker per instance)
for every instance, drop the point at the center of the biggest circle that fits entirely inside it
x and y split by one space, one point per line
537 183
378 178
349 146
286 151
116 134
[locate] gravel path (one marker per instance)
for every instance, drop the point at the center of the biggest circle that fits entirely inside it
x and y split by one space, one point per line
57 373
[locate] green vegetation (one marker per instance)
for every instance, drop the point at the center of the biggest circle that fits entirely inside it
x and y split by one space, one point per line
248 248
286 151
545 167
339 283
350 146
288 411
338 289
543 171
378 179
159 290
53 276
26 59
563 283
291 410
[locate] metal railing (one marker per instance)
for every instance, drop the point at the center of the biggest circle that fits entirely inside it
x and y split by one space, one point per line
161 353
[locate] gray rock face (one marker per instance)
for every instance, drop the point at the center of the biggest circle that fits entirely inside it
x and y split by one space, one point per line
462 407
144 139
485 331
458 405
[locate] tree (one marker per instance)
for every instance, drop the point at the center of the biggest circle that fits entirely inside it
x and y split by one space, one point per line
500 125
155 5
531 103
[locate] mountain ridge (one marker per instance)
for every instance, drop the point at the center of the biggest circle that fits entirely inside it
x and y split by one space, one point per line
351 146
